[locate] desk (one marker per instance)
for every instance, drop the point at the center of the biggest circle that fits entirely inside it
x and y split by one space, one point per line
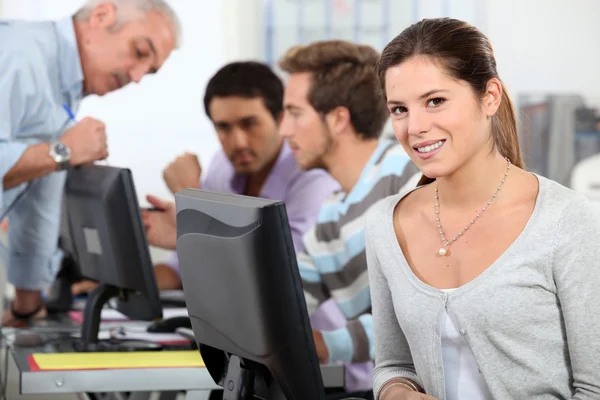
127 380
140 380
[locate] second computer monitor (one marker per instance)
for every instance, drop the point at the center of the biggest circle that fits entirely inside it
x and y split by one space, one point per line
244 296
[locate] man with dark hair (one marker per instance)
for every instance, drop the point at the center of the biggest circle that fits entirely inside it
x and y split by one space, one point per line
244 100
334 116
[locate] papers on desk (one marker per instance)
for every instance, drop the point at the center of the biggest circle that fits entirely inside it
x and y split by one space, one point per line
121 360
123 328
139 333
111 315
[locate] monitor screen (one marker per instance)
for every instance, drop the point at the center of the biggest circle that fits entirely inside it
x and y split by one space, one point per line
244 296
108 240
65 241
59 298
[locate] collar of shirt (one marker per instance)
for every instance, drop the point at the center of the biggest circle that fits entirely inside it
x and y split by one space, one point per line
278 179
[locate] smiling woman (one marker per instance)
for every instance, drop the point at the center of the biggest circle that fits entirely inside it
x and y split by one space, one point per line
465 259
476 81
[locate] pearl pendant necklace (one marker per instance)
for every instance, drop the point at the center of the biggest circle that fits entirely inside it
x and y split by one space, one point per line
444 250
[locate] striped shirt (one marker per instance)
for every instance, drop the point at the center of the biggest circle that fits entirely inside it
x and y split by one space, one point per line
333 265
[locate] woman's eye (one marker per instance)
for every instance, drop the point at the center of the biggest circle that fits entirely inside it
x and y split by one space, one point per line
398 110
435 102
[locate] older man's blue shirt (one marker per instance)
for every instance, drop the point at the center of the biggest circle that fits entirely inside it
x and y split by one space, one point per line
40 70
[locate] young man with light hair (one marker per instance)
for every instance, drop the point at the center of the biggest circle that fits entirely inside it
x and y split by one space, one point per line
46 68
334 116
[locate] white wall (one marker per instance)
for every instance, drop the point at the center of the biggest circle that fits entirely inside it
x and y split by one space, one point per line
242 27
547 46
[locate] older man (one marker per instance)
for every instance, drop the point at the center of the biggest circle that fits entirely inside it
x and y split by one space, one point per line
46 68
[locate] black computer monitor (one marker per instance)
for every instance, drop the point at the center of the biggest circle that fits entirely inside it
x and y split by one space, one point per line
108 243
244 296
59 297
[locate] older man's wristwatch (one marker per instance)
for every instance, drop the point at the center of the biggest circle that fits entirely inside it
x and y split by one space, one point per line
61 153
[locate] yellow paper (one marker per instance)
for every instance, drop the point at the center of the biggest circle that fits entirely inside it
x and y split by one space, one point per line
118 360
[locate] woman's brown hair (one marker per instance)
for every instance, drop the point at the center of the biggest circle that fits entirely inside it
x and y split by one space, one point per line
466 54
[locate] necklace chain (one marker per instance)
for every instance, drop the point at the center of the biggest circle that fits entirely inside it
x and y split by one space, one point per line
446 243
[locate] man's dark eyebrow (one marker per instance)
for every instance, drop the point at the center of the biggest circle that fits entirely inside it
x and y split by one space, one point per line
221 124
245 119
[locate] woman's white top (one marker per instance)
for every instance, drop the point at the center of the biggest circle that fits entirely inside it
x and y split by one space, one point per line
461 373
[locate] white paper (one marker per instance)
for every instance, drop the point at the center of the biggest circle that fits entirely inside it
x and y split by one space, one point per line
109 314
139 333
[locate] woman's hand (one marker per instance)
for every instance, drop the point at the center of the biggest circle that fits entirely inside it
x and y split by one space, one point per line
401 392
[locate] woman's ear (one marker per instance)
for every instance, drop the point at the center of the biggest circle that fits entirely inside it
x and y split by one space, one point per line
492 97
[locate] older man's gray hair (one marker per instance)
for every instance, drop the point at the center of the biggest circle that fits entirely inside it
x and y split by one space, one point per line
128 10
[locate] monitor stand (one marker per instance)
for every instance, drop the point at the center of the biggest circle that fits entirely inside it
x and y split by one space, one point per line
242 383
89 341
